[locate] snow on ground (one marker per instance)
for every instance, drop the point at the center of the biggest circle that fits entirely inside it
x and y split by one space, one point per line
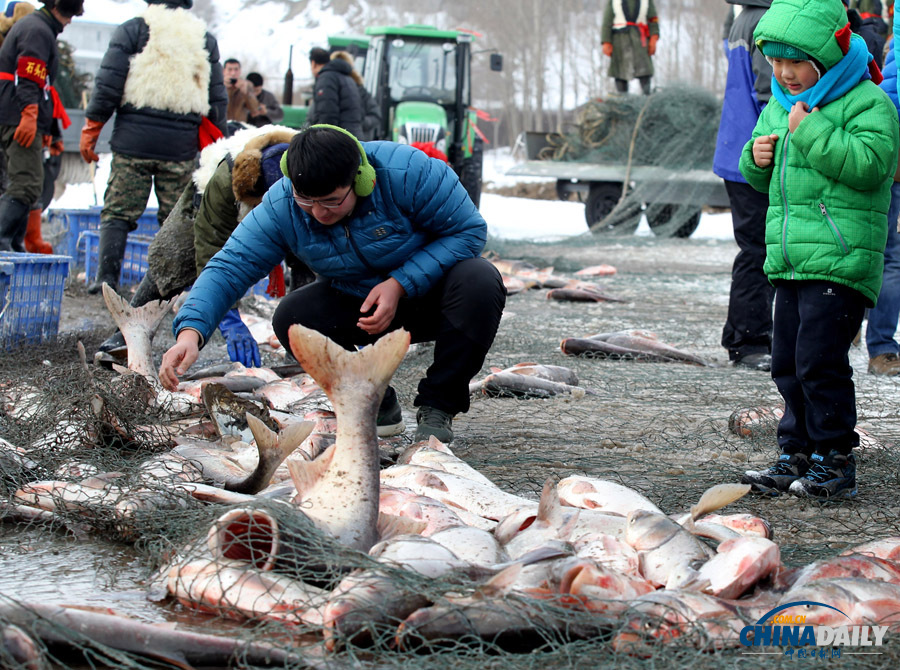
507 218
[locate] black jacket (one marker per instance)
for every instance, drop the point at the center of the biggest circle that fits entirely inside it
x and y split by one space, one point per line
146 132
336 98
32 36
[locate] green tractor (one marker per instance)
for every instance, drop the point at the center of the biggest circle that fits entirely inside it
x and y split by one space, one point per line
421 78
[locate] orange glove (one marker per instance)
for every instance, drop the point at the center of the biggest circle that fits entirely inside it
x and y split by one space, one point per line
607 48
27 128
89 135
57 147
652 46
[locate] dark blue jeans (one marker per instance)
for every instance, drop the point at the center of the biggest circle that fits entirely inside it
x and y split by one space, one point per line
815 323
883 316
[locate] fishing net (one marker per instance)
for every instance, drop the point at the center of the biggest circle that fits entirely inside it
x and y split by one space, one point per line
147 552
651 153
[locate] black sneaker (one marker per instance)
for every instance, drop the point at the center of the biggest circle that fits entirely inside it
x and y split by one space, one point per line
389 421
829 477
778 478
433 421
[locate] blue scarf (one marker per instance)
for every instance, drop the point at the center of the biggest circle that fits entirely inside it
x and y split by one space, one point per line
847 73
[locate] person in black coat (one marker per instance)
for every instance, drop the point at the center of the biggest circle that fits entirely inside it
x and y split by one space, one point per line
162 79
336 98
29 110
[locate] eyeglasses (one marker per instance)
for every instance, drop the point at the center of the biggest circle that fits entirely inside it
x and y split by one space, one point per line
327 204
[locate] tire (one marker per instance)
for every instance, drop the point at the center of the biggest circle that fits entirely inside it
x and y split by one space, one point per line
601 200
470 174
663 218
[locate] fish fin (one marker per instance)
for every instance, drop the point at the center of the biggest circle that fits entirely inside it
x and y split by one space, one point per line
122 370
266 439
717 497
545 552
330 365
437 445
568 527
499 584
292 437
690 580
391 525
494 368
431 480
149 315
305 474
550 509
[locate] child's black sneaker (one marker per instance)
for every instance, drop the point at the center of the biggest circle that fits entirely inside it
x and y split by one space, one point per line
389 420
778 478
829 477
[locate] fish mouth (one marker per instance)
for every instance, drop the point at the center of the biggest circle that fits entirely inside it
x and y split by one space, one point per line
249 535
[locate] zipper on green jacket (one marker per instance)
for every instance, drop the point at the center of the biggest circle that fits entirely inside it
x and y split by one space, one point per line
784 203
834 229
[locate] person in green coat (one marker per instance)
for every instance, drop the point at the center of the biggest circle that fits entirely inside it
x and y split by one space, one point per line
629 34
825 150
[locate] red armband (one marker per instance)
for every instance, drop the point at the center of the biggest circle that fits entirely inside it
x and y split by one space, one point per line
32 69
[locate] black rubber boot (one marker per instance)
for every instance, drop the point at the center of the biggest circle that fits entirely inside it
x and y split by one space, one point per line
113 238
13 224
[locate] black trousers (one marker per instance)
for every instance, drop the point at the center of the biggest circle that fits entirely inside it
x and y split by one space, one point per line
460 315
815 323
748 328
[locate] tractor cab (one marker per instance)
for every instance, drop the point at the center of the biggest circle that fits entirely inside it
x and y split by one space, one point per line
421 79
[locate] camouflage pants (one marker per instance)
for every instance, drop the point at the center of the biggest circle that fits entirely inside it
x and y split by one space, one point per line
130 181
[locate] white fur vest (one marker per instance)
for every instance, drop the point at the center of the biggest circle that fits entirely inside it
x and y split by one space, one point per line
172 71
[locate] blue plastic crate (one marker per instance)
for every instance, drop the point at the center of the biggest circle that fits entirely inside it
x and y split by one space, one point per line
31 290
75 222
134 263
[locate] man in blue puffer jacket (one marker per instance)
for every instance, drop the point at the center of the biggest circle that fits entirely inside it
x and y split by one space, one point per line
395 240
884 352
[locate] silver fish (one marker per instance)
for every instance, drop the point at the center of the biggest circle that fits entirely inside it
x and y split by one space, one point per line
339 490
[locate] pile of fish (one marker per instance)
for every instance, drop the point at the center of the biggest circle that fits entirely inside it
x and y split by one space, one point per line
520 275
441 552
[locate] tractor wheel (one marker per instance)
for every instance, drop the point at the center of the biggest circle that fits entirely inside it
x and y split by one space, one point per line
601 200
470 174
663 219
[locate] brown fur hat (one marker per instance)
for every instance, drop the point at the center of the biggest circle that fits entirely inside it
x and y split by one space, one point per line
245 175
346 56
6 22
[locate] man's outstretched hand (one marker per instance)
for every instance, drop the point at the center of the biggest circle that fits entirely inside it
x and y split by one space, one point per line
384 298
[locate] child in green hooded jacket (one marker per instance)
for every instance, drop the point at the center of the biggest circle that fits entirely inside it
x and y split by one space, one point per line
824 149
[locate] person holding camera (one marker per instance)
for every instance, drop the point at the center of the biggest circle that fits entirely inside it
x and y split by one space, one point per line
168 104
242 103
269 109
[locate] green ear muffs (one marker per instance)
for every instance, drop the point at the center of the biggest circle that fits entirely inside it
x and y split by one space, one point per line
364 182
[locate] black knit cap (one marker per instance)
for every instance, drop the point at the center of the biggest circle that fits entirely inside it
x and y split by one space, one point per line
67 8
174 4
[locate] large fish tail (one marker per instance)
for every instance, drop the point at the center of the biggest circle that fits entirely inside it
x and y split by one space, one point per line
149 315
332 366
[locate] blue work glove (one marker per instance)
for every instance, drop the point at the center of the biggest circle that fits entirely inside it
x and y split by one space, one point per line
242 348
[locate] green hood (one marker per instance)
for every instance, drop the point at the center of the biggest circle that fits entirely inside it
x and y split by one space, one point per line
809 25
